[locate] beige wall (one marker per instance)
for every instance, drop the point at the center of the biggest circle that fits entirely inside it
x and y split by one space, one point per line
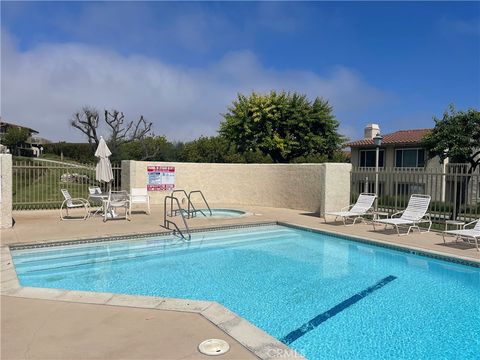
309 187
6 191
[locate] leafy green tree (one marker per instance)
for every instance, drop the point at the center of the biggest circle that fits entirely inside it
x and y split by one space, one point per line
205 149
14 138
457 136
151 148
282 125
216 149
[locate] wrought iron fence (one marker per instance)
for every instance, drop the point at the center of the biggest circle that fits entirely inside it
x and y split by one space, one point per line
454 188
37 184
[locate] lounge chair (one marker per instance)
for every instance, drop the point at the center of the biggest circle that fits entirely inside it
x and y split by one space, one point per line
412 216
139 196
466 233
357 211
116 199
73 203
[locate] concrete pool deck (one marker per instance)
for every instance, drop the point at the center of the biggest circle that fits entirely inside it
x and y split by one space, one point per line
24 310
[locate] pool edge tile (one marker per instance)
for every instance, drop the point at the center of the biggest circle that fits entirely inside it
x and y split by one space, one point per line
252 337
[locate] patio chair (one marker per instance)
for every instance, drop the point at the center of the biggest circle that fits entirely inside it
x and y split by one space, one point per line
116 199
73 203
357 211
96 195
466 233
95 191
139 196
412 216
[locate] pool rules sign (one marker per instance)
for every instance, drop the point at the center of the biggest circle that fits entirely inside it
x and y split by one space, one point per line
160 178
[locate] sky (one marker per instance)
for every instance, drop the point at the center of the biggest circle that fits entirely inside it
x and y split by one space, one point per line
181 64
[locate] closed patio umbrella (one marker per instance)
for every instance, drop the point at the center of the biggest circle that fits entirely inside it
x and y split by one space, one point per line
104 167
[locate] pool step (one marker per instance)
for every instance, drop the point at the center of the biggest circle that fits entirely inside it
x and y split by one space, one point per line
63 262
26 256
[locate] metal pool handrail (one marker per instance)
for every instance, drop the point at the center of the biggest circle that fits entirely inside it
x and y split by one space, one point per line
174 212
166 222
204 200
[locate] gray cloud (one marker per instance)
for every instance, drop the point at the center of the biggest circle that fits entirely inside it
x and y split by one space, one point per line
43 86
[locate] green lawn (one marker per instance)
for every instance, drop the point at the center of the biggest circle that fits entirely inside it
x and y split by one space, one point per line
37 185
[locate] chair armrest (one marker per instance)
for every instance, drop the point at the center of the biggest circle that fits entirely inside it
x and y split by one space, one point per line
346 208
397 213
82 200
470 223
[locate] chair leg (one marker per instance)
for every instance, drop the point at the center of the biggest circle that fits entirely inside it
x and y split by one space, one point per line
398 231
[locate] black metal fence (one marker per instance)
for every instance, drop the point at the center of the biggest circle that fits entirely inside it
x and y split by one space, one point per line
36 184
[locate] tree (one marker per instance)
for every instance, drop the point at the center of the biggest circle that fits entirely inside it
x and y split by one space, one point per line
151 148
120 131
457 137
283 126
14 138
216 149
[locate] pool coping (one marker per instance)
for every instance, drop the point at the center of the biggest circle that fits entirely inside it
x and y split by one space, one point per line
250 336
260 343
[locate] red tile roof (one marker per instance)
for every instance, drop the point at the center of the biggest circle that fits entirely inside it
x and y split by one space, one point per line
397 137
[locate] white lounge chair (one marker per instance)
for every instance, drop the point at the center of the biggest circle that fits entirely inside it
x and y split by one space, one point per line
139 196
357 211
116 199
466 233
412 216
73 203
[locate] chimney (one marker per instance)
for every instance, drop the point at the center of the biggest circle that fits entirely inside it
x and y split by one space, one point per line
371 130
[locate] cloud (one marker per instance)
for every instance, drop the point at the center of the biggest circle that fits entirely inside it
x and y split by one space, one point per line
43 86
461 26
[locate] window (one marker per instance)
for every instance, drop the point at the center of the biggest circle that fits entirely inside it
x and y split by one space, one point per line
367 158
410 157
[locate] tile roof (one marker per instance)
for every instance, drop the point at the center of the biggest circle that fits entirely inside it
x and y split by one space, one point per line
398 137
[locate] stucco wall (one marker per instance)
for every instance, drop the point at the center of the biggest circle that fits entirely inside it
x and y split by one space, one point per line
309 187
5 191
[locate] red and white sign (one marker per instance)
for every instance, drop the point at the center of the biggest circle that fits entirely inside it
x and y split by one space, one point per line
160 178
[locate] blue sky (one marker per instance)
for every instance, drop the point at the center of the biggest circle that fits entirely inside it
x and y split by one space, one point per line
181 64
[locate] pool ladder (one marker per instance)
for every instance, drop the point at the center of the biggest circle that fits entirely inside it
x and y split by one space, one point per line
167 223
191 211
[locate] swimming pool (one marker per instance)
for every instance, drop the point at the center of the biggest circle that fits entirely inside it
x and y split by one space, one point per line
325 296
221 213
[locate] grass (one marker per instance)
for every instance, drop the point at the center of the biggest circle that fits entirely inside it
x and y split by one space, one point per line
37 185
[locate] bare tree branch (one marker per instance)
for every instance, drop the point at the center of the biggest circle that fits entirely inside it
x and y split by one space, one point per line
88 122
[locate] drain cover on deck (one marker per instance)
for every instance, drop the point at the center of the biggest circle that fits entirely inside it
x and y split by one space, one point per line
213 347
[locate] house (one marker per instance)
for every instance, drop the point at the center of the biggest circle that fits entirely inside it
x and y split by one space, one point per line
31 147
405 168
400 149
403 162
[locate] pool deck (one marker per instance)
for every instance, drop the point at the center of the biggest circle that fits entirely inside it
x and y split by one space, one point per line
56 324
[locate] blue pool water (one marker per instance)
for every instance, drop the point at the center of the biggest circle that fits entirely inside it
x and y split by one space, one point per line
221 213
358 301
